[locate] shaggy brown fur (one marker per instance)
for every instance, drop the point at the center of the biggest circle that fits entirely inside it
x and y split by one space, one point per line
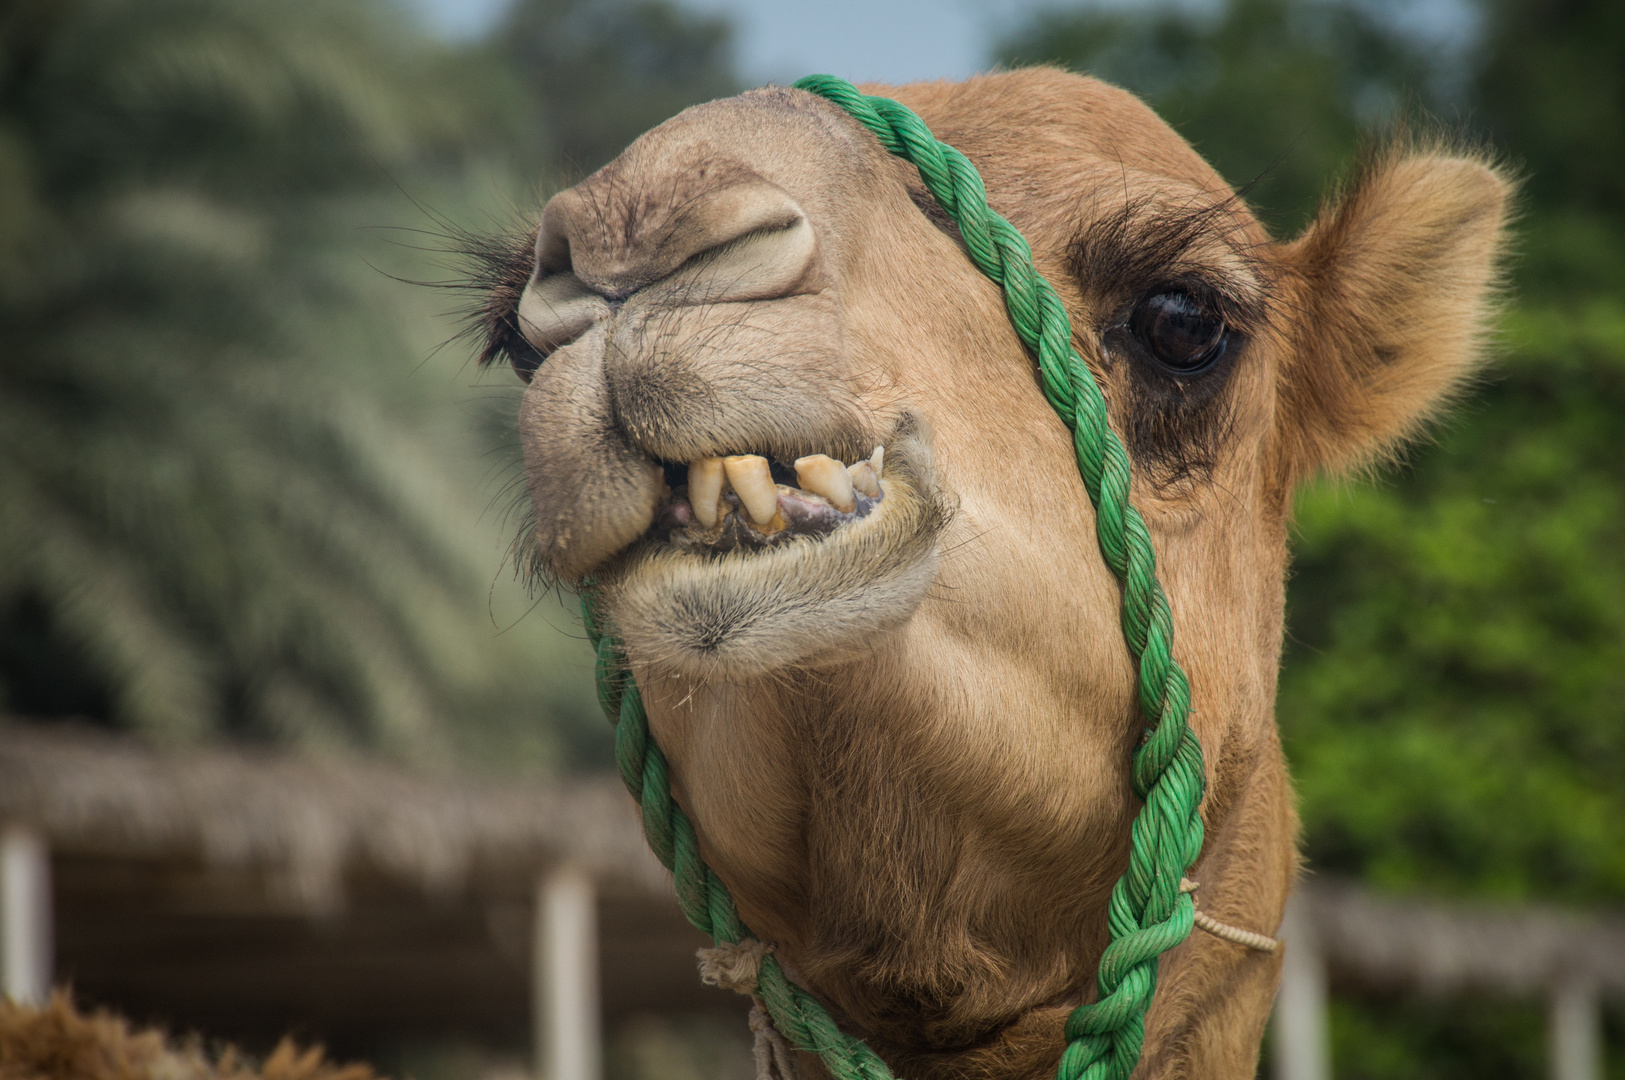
57 1042
905 745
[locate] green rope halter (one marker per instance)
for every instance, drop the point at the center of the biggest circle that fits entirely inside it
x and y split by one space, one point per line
1148 913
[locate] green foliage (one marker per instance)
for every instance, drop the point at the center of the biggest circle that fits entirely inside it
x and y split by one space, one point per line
225 509
601 72
1551 88
1274 93
1451 694
1406 1038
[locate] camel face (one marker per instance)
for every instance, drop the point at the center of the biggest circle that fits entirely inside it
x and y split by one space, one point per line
757 278
892 686
718 287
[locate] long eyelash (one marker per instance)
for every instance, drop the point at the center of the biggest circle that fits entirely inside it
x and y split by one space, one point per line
1136 244
495 267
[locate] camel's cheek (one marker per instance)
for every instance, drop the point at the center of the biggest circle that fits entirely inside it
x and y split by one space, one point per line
593 494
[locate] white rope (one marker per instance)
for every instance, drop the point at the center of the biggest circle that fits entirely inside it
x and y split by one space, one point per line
771 1051
737 967
733 967
1224 931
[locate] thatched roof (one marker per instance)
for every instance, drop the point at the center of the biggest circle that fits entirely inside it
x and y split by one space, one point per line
1437 948
305 823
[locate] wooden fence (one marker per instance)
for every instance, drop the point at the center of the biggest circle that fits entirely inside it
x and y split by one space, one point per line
1574 960
178 873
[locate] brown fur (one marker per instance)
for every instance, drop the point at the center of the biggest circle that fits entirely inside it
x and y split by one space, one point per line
57 1042
906 746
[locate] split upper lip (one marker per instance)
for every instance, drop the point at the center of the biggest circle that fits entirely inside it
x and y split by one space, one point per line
733 502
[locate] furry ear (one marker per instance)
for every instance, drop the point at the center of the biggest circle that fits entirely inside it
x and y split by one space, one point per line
1391 292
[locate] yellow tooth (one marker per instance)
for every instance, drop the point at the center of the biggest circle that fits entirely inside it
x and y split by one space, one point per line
823 475
864 478
750 477
705 489
878 459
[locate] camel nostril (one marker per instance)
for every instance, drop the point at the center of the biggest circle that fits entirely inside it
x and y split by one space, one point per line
523 357
745 240
767 255
557 309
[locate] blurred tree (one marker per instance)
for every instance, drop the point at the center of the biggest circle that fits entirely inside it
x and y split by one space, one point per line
1551 89
1552 85
1450 698
219 511
1273 92
601 72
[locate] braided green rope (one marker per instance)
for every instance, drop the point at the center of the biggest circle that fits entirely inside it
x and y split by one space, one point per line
1148 913
705 900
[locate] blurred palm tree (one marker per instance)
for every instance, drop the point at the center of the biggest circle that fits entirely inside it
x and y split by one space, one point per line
218 512
599 73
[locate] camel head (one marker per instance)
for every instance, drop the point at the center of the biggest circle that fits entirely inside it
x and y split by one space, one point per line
781 425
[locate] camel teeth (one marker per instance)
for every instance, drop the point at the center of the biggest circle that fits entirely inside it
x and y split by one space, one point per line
865 478
705 490
823 475
753 482
878 461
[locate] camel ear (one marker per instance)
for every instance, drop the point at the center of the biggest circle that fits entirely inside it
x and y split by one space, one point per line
1390 294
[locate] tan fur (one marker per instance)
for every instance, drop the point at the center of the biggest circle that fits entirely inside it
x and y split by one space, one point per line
57 1042
1396 281
906 746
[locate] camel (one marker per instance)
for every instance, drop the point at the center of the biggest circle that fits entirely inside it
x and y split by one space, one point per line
781 428
56 1041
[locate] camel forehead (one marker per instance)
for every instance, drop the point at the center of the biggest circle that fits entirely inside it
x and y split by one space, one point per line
1045 119
1036 134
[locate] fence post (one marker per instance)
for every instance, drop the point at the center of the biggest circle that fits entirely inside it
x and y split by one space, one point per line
565 974
1302 1050
25 915
1574 1031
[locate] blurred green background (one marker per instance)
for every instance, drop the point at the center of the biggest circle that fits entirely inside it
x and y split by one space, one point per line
252 488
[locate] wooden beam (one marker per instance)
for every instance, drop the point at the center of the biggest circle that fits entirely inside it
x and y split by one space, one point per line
568 1024
1301 1046
1443 949
1574 1031
25 915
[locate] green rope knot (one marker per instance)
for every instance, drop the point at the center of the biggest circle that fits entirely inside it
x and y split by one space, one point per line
1148 914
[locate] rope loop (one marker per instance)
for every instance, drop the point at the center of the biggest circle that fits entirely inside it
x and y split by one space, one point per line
1148 912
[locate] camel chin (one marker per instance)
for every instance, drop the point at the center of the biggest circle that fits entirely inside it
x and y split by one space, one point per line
765 576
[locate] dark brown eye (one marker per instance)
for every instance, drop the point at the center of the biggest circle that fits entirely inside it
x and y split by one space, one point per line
1179 332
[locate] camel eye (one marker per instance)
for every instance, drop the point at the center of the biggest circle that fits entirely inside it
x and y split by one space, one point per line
1179 332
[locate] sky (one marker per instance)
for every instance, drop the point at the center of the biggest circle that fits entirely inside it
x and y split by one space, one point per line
882 40
897 40
782 40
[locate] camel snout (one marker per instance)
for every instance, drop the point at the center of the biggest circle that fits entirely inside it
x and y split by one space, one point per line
745 241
